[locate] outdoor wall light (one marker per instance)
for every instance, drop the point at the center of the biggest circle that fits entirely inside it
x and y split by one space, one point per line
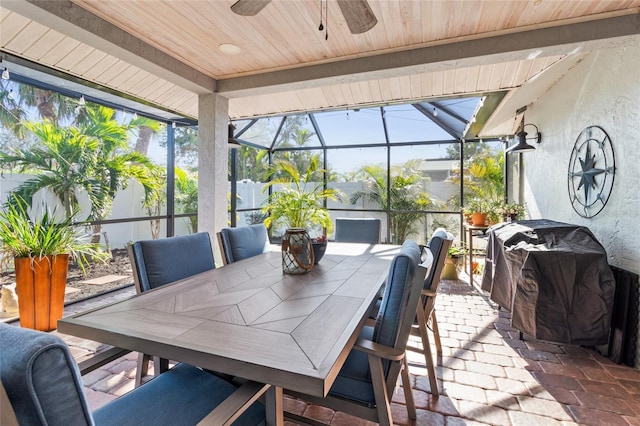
522 145
232 142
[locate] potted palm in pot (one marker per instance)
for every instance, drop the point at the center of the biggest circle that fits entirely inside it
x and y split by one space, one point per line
41 248
298 202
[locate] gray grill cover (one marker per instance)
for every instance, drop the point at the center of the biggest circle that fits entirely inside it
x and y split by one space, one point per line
554 278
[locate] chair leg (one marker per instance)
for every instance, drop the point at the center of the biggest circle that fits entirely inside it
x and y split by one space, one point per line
428 356
436 334
142 368
408 392
383 401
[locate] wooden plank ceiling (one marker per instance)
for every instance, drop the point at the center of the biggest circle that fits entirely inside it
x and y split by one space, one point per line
284 37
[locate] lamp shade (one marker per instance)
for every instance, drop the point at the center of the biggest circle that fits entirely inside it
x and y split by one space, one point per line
232 142
522 145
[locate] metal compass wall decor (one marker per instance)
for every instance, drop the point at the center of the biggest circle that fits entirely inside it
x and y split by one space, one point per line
591 171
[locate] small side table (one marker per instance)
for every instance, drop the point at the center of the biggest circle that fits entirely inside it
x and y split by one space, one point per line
470 230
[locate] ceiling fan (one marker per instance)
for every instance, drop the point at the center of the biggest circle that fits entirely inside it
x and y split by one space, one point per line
357 13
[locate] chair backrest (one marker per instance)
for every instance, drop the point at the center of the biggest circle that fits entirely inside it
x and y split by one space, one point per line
400 301
358 230
41 378
243 242
438 245
159 262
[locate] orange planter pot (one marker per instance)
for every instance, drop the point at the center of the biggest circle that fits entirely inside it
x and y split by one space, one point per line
479 219
40 285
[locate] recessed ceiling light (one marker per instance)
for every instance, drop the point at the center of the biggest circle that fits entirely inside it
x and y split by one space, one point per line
229 49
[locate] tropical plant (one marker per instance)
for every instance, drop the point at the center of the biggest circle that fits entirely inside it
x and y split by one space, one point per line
92 157
456 251
155 197
404 198
299 199
483 177
513 210
186 195
487 178
22 235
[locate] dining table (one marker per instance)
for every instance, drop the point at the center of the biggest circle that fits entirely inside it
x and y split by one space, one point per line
250 320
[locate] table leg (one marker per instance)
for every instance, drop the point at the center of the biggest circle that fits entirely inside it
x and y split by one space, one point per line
274 405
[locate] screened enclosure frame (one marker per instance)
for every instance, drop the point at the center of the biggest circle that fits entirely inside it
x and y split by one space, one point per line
454 124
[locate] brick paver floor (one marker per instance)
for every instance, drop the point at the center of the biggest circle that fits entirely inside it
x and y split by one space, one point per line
487 374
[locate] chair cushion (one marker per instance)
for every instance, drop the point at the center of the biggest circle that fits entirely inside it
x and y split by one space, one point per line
395 294
436 244
162 261
183 395
354 380
41 378
442 233
244 242
358 230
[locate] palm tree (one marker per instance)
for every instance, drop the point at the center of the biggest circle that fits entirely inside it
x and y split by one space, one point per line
299 202
403 198
91 158
11 114
51 105
187 195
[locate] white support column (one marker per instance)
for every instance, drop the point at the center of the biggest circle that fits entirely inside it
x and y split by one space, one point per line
213 166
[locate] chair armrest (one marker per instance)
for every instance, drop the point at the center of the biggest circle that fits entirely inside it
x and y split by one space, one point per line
429 293
7 415
98 360
231 408
376 349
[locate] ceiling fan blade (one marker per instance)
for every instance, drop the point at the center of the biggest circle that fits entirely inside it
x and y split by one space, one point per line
249 7
358 14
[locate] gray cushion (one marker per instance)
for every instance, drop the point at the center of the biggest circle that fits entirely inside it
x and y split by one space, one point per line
162 261
244 242
358 230
354 380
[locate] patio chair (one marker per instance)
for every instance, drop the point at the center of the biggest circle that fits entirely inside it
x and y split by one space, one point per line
438 246
243 242
365 384
358 230
159 262
42 385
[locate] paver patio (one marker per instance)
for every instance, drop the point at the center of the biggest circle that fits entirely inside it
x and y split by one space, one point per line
487 374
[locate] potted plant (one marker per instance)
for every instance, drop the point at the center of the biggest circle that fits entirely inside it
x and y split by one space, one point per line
299 200
453 262
478 208
513 211
40 248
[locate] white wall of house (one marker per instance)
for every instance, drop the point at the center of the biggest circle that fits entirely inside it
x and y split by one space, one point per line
603 89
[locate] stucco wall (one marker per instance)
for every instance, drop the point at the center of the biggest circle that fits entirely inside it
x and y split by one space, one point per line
603 89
